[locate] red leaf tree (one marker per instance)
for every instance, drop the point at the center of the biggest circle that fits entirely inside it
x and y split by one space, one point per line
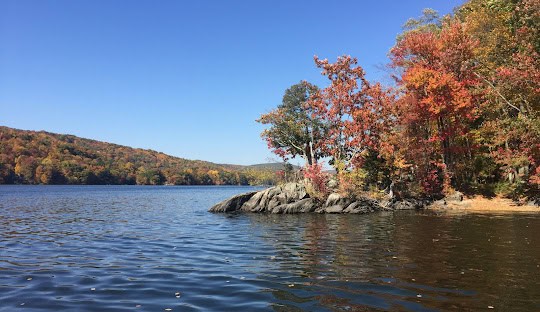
356 112
438 103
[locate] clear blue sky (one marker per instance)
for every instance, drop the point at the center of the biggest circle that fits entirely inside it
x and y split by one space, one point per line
187 78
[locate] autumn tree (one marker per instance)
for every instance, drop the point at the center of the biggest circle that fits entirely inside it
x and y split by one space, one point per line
508 59
25 167
355 110
294 129
438 102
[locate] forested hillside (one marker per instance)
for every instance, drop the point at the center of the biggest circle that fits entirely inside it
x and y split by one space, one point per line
31 157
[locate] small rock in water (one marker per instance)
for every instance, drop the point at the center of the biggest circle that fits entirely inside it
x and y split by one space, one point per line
291 285
177 294
92 289
419 296
491 307
29 279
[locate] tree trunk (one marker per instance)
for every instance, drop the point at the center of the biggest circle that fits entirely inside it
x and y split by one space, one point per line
308 155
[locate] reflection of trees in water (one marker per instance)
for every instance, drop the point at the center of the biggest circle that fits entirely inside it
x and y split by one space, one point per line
324 255
473 260
454 262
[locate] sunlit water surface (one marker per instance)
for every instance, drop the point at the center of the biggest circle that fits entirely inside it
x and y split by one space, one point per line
133 248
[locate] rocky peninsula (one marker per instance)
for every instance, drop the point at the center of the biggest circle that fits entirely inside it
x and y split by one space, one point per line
291 198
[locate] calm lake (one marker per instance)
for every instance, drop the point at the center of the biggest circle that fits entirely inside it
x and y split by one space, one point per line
141 248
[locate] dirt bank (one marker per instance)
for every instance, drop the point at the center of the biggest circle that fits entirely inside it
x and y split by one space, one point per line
483 204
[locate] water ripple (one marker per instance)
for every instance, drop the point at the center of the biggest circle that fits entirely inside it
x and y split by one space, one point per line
129 248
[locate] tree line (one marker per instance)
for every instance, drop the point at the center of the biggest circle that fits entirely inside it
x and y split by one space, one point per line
462 114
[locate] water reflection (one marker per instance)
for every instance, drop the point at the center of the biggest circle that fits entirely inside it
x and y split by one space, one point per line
412 261
125 248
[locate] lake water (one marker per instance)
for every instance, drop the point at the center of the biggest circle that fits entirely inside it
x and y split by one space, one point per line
135 248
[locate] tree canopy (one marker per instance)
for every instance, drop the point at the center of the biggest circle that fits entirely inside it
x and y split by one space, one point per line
463 115
293 128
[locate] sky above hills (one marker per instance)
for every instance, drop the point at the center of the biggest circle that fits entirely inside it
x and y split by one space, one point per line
185 78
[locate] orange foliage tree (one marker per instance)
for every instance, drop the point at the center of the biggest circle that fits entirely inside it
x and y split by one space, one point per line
357 112
438 102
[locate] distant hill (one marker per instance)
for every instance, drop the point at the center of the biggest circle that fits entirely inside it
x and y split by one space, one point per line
39 157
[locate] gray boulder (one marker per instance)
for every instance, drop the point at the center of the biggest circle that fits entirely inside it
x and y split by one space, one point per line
335 199
335 203
302 206
268 200
333 209
408 204
364 205
232 204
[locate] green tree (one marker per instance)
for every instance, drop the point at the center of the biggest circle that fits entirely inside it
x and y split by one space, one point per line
294 131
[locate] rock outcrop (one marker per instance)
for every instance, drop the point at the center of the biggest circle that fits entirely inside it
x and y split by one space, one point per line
293 198
408 204
271 200
336 203
232 204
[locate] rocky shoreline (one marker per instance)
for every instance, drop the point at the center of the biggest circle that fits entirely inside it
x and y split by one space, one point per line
292 198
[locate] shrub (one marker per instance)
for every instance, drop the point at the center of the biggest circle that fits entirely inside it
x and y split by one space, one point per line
317 181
